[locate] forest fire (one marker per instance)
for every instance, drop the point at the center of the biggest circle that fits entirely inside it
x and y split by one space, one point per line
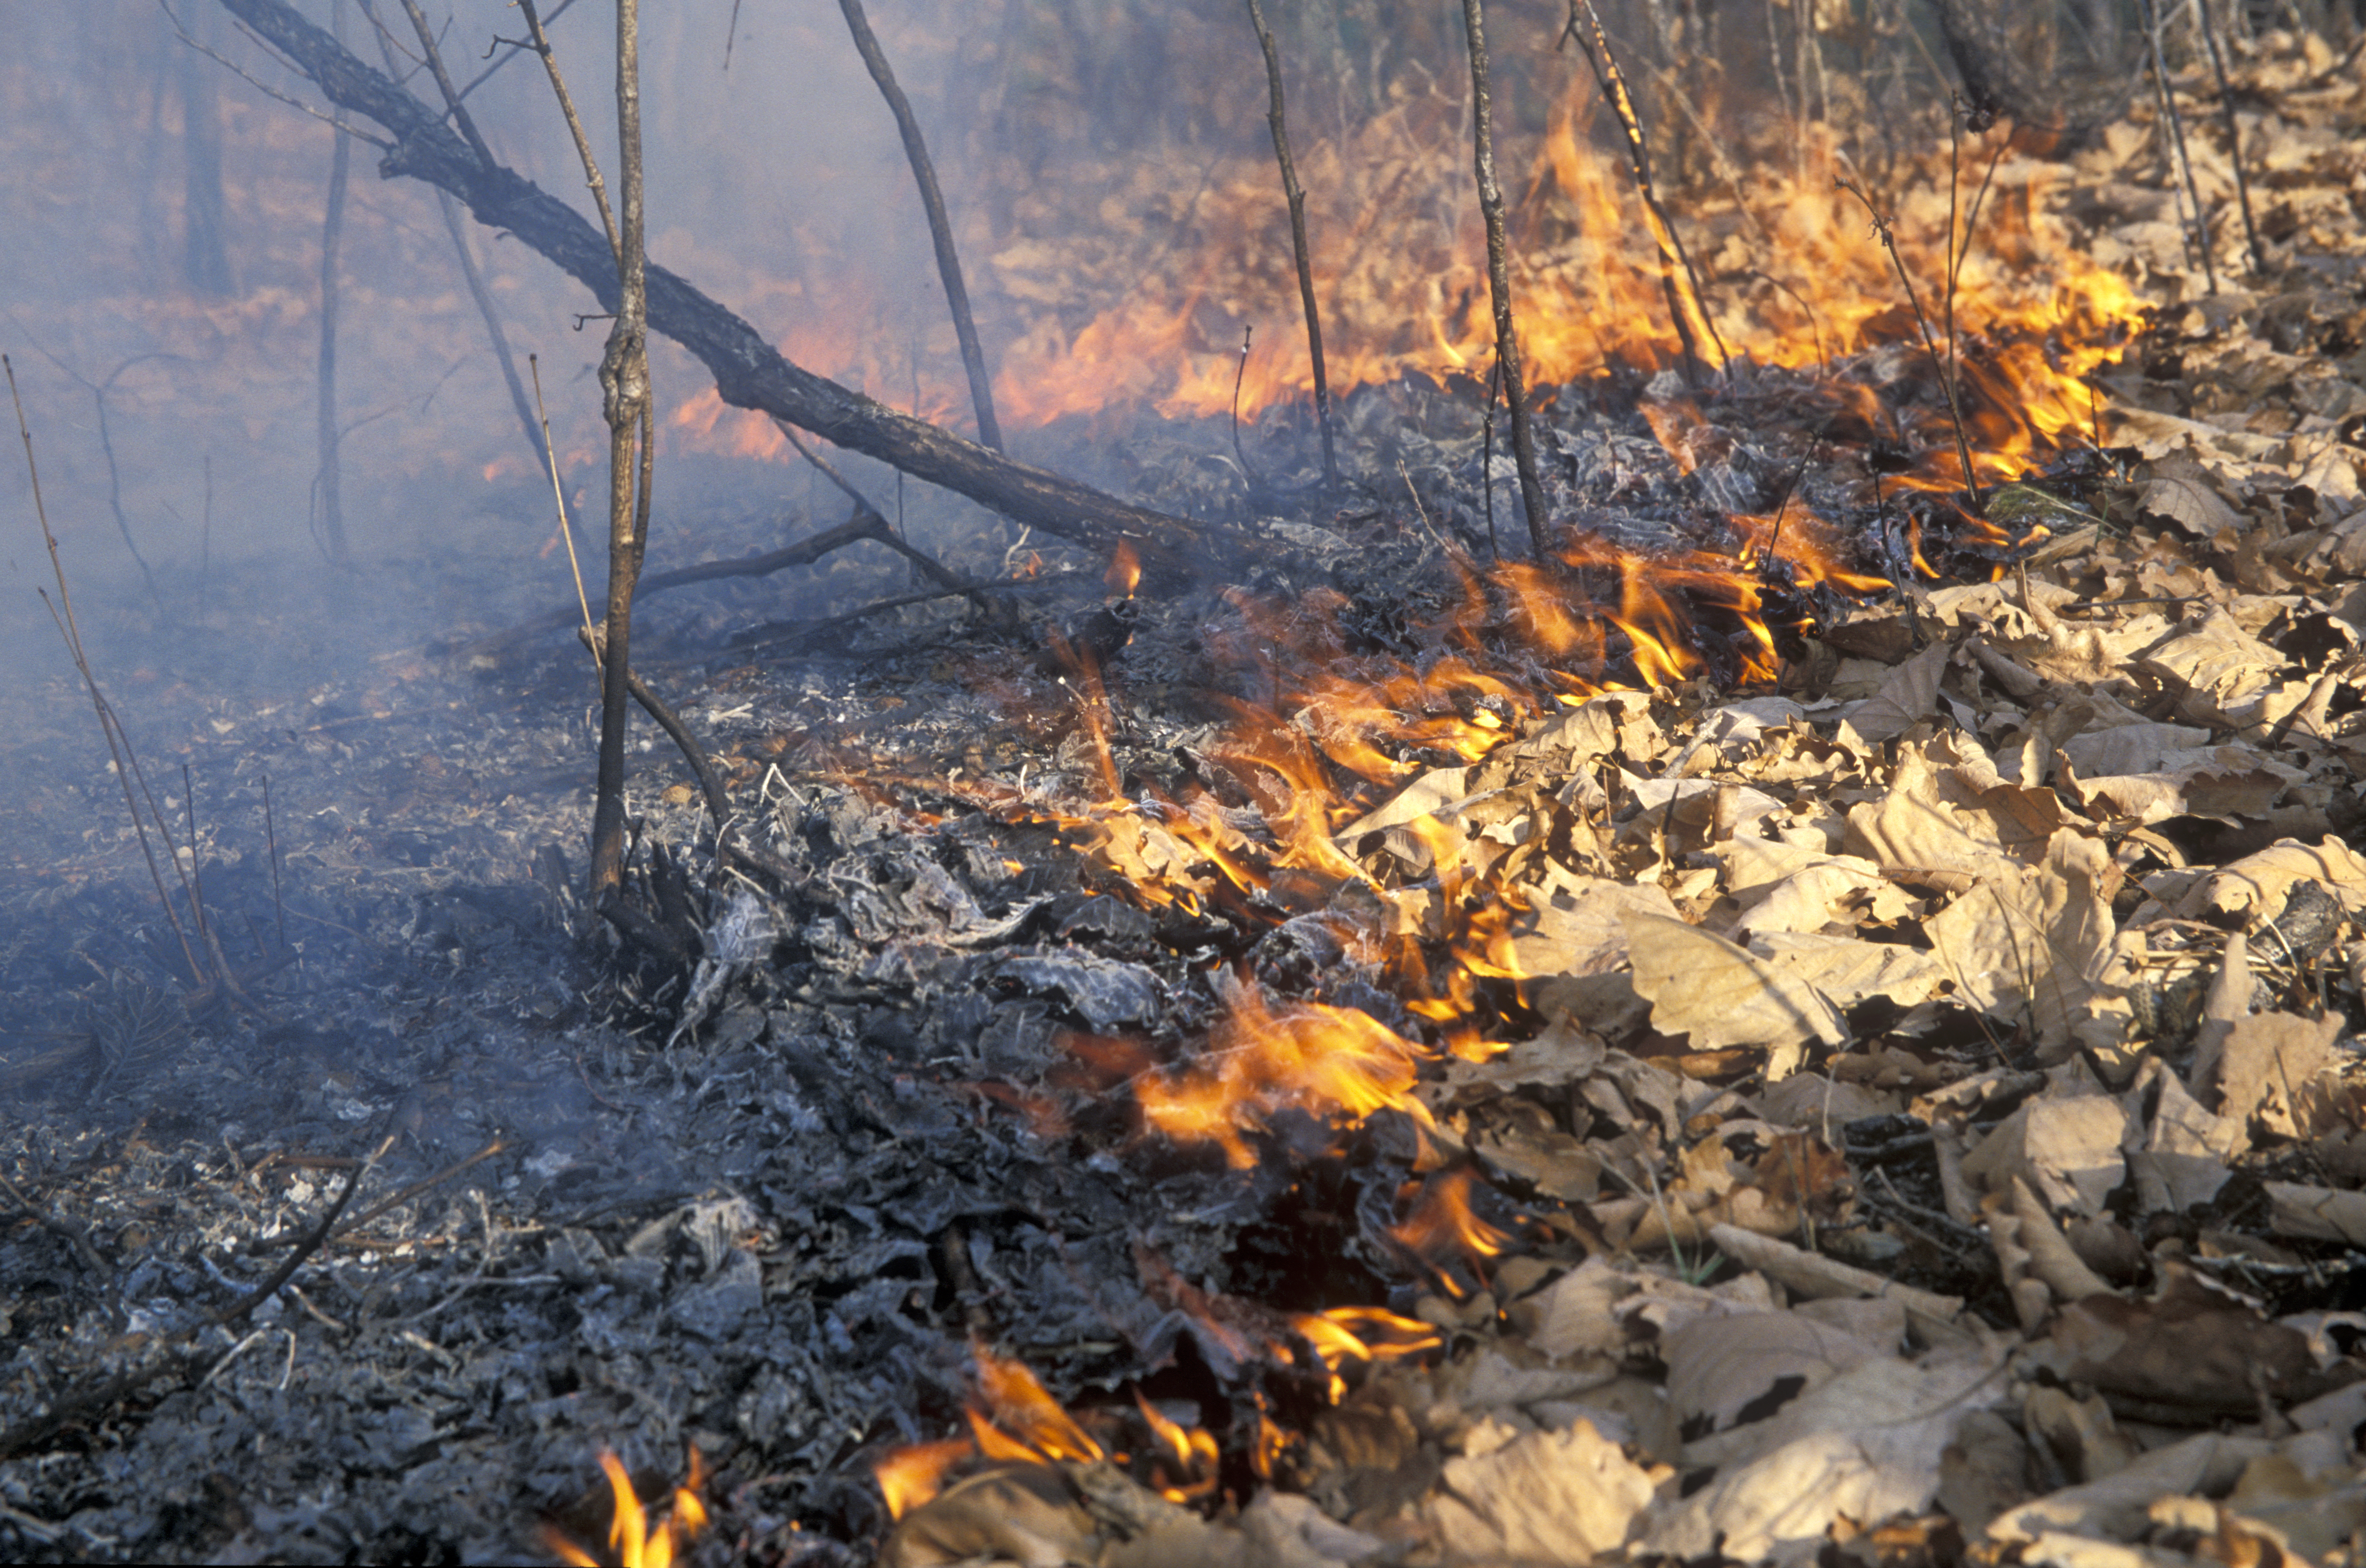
1441 953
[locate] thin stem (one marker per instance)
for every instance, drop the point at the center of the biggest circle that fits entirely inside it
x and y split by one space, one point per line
558 494
624 387
599 187
2234 139
1612 81
461 119
1296 196
2198 236
941 229
1499 279
326 434
1881 226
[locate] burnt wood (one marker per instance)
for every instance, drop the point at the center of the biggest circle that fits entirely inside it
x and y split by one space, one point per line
749 372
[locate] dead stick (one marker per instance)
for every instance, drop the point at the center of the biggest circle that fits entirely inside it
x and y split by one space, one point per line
1499 279
405 1194
2234 139
750 373
1297 199
2198 234
941 229
1670 245
70 631
710 783
885 533
328 482
626 400
469 273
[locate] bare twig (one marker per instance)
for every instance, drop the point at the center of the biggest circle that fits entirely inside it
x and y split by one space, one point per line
540 43
1297 199
2198 235
941 229
2233 139
118 744
329 480
1499 279
513 47
1882 226
461 119
1612 81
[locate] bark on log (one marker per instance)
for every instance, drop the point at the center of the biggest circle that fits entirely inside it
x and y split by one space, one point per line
749 372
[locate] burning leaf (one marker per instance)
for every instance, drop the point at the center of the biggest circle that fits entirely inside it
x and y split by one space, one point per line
1022 1513
1703 987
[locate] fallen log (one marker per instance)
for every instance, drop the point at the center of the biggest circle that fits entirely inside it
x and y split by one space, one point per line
749 372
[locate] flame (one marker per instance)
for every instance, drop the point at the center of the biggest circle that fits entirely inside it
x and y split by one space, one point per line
1193 1449
1443 1226
1022 1420
640 1542
1327 1061
910 1476
1364 1335
1124 570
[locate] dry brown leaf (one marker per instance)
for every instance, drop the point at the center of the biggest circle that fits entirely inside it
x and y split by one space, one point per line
1564 1497
1846 971
2221 782
2326 1213
1020 1513
1863 1445
1906 697
2066 1146
2258 884
1578 928
2129 748
1936 816
2034 949
2188 1347
1703 987
2268 1071
2179 488
1730 1372
2223 675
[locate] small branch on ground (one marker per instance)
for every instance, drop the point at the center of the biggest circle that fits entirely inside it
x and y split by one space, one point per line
1499 279
2234 140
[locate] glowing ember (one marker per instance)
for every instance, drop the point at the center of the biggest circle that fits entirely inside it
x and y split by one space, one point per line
641 1541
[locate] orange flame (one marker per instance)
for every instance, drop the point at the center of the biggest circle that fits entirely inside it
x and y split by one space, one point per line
1443 1225
910 1476
1022 1420
1361 1334
640 1542
1124 573
1192 1448
1324 1060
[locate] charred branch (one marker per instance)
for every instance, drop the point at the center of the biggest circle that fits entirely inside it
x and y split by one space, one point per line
749 372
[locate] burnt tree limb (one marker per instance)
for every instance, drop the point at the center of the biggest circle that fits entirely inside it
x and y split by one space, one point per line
749 372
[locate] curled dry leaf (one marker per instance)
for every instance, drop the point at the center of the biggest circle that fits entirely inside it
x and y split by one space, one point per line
1717 994
1547 1498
